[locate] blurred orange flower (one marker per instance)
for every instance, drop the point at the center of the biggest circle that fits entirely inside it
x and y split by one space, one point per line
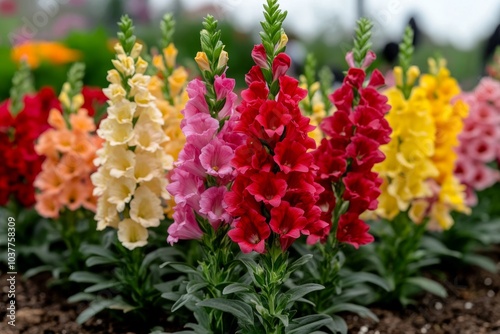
36 52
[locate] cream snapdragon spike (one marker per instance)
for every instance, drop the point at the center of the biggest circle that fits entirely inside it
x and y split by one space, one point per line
130 181
203 171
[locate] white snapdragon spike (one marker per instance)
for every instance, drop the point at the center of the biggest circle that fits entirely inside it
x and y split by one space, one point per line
131 178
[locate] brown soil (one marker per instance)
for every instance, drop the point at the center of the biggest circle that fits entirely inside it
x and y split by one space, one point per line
472 307
41 310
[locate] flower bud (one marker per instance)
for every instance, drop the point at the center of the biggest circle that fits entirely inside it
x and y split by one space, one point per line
283 41
77 102
136 50
114 77
141 65
259 56
119 49
370 57
412 75
64 99
202 61
349 58
281 64
398 76
170 53
223 58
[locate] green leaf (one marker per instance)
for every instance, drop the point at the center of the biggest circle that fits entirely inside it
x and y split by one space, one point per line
192 286
97 250
353 278
94 308
436 246
481 261
235 287
302 290
98 260
237 308
168 286
37 270
101 286
81 296
284 319
162 254
353 308
181 301
181 267
428 285
86 277
299 263
310 323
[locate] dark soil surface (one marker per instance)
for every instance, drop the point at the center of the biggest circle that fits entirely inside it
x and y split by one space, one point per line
43 310
473 307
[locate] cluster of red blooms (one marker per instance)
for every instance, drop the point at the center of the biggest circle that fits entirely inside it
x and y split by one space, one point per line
274 189
346 157
18 134
20 163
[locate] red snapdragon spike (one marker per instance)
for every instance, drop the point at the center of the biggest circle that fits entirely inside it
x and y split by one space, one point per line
376 79
353 230
290 92
355 78
251 232
339 124
254 75
346 157
93 98
331 163
273 117
362 191
281 64
369 96
259 56
274 166
364 152
287 222
268 188
342 98
18 135
292 158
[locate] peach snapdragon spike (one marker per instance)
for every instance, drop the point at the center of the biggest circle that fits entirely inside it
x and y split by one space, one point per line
70 148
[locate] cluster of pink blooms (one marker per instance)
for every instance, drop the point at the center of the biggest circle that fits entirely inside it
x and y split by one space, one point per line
346 157
480 138
203 171
274 190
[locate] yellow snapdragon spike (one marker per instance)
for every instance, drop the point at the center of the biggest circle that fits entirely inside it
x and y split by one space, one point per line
420 159
408 161
169 89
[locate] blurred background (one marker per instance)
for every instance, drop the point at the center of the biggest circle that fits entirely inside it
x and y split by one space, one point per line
466 32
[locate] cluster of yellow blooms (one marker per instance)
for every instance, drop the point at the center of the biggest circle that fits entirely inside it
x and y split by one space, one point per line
168 86
130 181
420 159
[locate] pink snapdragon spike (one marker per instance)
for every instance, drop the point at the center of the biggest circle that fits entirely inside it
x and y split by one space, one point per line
479 140
203 170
